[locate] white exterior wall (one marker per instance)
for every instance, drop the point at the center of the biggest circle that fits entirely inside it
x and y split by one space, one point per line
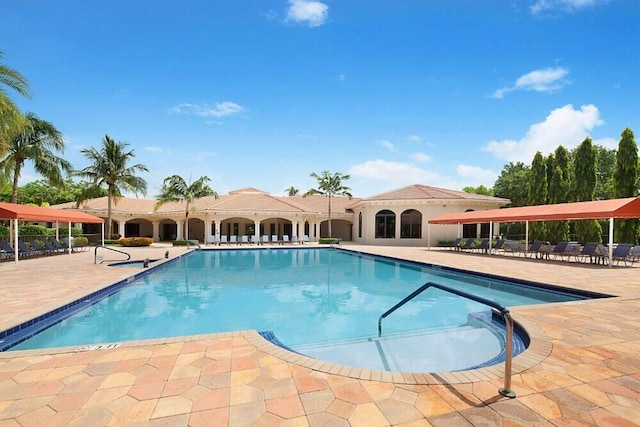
431 234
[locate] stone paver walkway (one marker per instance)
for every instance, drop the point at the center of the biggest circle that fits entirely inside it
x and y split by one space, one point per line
583 367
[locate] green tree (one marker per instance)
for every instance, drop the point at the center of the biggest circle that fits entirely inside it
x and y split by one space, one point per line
37 141
584 185
480 189
605 170
330 185
110 167
625 179
292 191
176 189
559 191
538 194
10 118
513 183
40 192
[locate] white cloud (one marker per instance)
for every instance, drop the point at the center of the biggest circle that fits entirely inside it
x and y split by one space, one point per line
312 13
221 109
396 172
563 126
387 144
421 157
543 80
554 6
154 149
414 138
476 174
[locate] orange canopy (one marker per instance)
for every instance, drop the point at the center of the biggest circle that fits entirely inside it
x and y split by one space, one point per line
598 209
34 213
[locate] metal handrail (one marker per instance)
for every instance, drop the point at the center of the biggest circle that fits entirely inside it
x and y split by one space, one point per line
506 390
192 242
335 241
95 253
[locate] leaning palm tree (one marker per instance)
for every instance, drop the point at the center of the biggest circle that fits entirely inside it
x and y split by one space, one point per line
175 189
109 167
37 141
10 117
329 185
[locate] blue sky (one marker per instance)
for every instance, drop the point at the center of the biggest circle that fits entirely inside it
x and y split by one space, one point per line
260 93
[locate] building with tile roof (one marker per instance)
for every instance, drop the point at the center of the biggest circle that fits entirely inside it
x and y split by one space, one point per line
397 217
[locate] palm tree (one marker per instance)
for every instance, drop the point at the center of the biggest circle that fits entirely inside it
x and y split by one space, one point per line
10 117
292 191
36 141
109 167
330 185
176 189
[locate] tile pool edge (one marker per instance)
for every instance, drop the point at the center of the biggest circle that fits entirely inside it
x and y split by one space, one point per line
539 348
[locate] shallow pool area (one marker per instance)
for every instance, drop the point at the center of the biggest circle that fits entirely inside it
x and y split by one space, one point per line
324 303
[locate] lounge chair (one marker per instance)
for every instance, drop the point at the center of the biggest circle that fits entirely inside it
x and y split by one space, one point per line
211 240
50 247
244 240
534 249
633 256
497 247
305 239
8 250
274 239
559 250
455 245
285 239
483 246
27 250
59 246
294 239
233 239
622 253
39 249
589 251
265 239
512 246
467 244
254 239
223 239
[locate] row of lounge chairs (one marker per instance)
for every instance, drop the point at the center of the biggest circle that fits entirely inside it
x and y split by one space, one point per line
233 240
591 252
41 247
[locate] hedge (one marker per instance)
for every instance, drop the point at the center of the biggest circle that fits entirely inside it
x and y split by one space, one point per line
135 241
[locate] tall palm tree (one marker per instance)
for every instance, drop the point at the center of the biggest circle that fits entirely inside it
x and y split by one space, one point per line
330 185
110 167
10 117
37 141
292 191
176 189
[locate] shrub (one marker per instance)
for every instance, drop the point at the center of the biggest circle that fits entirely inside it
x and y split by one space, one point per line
80 241
135 241
64 231
329 240
184 242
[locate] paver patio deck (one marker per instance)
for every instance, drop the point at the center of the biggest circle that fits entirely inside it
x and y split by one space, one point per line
583 367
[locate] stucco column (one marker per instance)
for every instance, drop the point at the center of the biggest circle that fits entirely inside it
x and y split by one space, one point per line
179 229
156 231
256 230
121 227
398 226
207 230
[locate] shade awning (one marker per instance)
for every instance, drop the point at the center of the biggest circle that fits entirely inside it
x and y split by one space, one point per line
35 213
597 209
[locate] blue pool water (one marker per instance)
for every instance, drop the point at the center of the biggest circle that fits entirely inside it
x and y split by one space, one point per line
324 303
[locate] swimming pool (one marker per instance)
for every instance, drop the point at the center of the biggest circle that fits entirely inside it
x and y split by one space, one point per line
324 303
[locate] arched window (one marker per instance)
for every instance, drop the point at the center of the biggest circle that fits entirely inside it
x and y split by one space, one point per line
360 225
385 225
411 224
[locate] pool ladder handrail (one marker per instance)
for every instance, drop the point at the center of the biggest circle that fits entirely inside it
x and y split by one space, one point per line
335 242
506 390
194 243
95 253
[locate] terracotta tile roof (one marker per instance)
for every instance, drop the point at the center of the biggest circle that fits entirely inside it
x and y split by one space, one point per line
419 191
319 203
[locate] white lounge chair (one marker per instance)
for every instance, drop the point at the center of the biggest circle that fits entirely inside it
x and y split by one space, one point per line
223 239
244 240
294 239
233 239
285 239
265 239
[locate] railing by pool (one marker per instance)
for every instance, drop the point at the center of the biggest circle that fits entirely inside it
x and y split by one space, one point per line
506 390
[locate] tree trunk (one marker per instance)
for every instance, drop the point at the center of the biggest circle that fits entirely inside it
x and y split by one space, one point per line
16 176
330 234
186 222
109 197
